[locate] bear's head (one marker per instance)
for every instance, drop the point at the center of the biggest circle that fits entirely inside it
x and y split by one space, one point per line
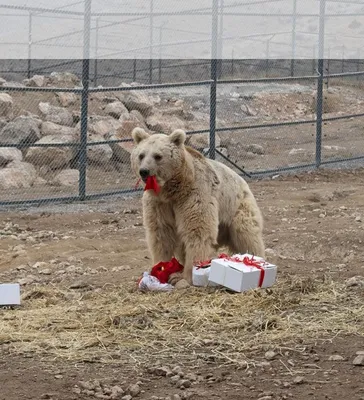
158 155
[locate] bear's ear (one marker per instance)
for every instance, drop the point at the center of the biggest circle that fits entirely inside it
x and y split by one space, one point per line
178 137
139 134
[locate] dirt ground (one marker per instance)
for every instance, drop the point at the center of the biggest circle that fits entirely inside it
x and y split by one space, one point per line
76 259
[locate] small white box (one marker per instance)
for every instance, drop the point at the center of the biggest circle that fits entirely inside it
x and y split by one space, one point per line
9 294
200 277
239 277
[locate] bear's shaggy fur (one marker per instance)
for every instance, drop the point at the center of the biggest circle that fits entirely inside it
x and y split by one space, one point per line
201 206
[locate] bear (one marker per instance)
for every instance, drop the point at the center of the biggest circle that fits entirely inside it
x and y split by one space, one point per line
202 204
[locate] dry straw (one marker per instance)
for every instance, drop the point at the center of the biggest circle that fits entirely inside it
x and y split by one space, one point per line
121 325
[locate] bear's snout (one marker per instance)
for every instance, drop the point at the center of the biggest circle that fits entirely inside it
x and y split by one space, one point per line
144 173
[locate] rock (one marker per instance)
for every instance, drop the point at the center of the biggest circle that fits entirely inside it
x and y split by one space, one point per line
294 152
164 124
26 281
3 122
270 355
247 110
99 154
336 357
185 383
53 157
67 99
64 78
133 390
36 81
116 109
13 84
127 397
116 392
355 281
79 285
23 130
2 81
67 177
50 129
128 123
358 218
201 141
162 371
101 125
46 271
39 182
121 151
16 175
359 360
58 115
176 397
255 149
136 100
6 105
298 380
8 154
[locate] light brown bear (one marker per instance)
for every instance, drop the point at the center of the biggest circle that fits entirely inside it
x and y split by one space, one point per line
202 204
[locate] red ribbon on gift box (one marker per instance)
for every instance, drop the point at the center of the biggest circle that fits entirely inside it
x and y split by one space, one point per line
250 262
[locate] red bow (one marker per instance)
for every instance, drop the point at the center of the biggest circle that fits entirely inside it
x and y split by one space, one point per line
151 184
163 270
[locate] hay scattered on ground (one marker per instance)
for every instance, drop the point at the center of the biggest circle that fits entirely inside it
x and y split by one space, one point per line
121 325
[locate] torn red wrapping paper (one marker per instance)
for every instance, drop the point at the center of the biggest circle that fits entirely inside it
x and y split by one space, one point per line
151 184
163 270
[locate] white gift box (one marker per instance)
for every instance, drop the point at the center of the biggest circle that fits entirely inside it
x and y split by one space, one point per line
9 294
239 277
200 277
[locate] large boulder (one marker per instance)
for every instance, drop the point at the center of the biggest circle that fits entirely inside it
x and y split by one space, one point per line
67 99
64 79
52 157
58 115
67 177
50 129
164 124
17 175
100 125
128 122
6 105
121 151
9 154
116 109
136 100
202 140
35 81
100 153
23 130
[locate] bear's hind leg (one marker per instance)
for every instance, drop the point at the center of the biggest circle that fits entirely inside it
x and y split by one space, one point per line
246 232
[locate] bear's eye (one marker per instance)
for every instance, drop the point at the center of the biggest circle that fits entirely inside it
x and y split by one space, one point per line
141 156
157 157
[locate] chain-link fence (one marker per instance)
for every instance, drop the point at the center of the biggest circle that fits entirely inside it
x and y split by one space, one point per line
65 124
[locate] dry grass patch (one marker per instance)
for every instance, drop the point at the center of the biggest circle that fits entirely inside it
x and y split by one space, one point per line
121 325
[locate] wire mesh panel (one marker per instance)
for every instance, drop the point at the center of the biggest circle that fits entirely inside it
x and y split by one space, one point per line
260 85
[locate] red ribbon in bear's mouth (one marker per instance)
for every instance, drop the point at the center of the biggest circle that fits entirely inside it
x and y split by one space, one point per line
151 184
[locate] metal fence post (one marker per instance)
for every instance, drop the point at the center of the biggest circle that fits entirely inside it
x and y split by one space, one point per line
30 29
267 51
232 63
134 70
151 27
96 51
294 21
220 41
84 100
320 82
213 87
160 54
342 60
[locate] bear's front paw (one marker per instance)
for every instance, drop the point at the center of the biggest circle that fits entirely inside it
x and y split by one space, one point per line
174 278
182 284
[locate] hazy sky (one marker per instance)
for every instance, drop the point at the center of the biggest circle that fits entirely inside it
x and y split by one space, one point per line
182 36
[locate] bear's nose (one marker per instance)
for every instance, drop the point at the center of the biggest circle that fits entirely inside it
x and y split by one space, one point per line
144 173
